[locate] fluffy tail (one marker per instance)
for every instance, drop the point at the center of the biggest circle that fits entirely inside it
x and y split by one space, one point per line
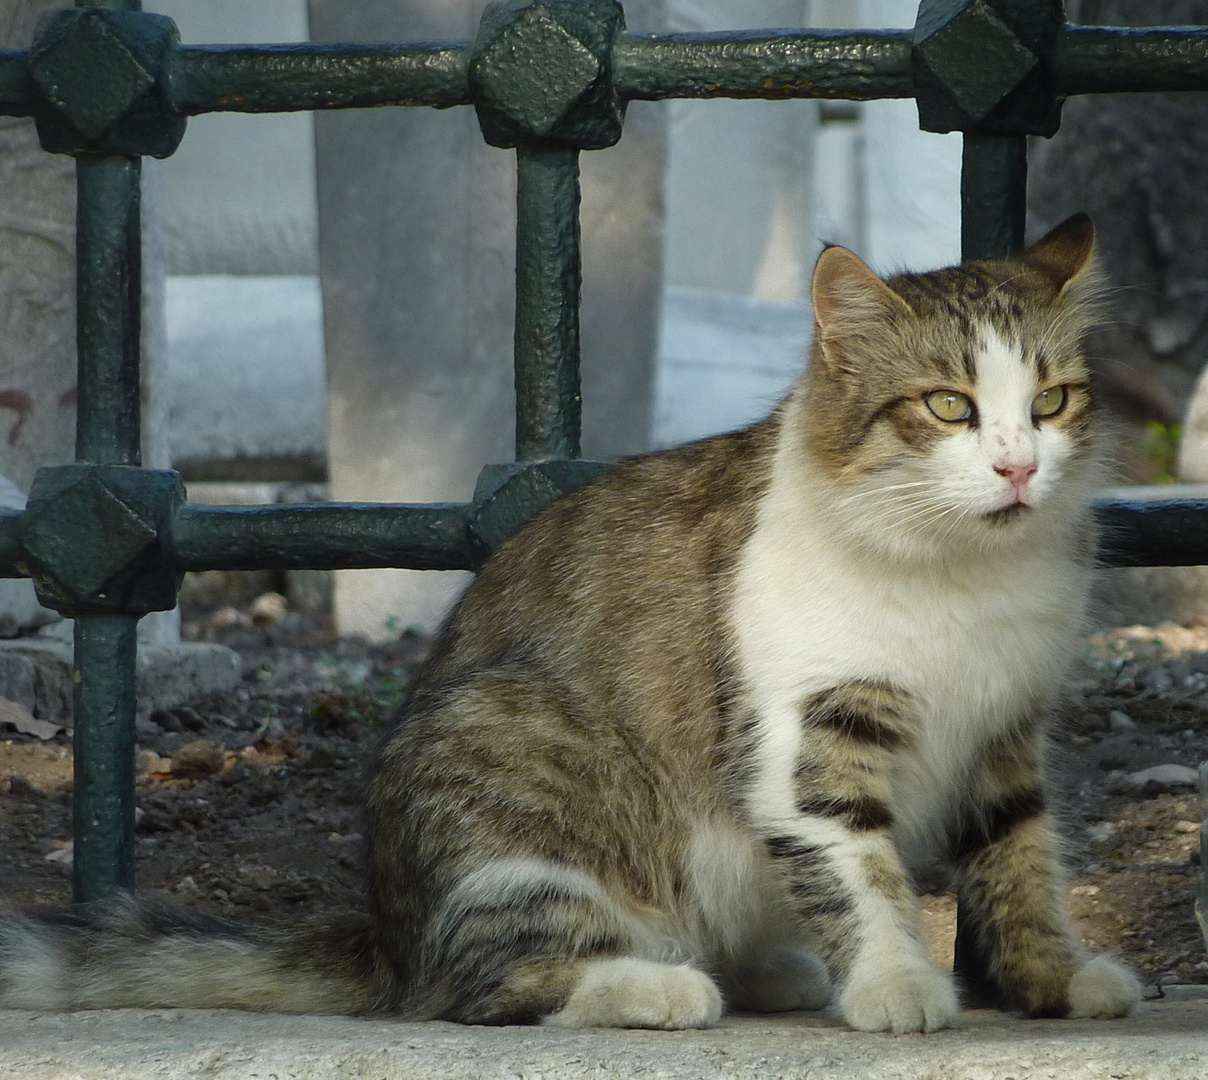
129 954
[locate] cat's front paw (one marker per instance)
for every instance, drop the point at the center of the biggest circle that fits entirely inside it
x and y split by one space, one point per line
899 998
1103 988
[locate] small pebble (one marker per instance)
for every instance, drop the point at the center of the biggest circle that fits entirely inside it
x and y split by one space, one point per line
21 787
1161 778
1120 721
190 719
268 609
148 762
62 854
198 758
226 617
1159 681
319 758
167 720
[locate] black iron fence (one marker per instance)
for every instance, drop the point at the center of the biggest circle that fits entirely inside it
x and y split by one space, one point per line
107 541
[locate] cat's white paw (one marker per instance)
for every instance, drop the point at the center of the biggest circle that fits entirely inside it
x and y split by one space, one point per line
1103 988
627 992
783 980
899 998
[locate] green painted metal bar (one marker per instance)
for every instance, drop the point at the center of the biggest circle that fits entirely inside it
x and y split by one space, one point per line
548 276
994 188
102 805
330 536
851 64
341 536
16 92
109 287
11 551
860 64
108 419
1116 60
289 78
1159 532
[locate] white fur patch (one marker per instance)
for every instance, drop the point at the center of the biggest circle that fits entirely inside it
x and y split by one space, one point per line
626 992
1103 988
513 881
729 890
33 968
884 996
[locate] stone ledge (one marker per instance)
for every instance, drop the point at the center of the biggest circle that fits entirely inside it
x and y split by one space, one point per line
1163 1040
168 675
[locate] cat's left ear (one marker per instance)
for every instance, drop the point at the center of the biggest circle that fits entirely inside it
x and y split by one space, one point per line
1063 254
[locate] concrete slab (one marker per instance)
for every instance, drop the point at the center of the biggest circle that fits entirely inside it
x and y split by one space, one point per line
1164 1040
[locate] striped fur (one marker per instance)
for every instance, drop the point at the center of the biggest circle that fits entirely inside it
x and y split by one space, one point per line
694 732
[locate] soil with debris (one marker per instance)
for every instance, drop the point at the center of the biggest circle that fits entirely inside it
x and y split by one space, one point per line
249 801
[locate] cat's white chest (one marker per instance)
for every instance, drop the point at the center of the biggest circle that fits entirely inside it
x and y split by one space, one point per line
807 621
974 652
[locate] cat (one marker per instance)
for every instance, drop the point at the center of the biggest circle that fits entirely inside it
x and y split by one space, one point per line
695 731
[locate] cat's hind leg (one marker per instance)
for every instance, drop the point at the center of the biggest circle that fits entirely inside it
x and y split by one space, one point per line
745 926
524 940
780 979
625 991
524 854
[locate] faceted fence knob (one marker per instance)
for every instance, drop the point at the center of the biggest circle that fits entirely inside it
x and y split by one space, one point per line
94 538
542 70
100 78
508 495
982 65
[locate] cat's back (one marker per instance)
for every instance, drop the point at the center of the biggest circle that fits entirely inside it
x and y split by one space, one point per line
620 587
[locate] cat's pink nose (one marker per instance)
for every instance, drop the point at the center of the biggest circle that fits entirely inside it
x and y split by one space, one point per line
1019 475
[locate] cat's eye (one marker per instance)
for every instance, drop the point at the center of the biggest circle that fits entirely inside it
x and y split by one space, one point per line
1048 402
949 405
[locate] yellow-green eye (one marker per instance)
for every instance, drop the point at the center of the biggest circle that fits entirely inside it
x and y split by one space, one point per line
949 405
1048 402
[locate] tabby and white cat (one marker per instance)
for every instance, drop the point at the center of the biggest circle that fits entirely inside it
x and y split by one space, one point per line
695 731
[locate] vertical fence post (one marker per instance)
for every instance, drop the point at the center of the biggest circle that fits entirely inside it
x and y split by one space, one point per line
108 335
548 276
994 195
108 420
102 810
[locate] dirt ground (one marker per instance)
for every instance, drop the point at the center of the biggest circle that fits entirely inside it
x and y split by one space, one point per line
248 801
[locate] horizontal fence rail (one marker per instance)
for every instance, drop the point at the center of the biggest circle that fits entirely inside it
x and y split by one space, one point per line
445 536
107 541
857 65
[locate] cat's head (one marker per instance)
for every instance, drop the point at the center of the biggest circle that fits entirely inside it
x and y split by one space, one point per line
952 409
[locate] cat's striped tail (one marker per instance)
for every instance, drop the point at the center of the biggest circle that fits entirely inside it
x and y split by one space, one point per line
128 954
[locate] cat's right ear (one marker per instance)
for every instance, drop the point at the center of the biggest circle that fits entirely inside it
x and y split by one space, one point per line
851 304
